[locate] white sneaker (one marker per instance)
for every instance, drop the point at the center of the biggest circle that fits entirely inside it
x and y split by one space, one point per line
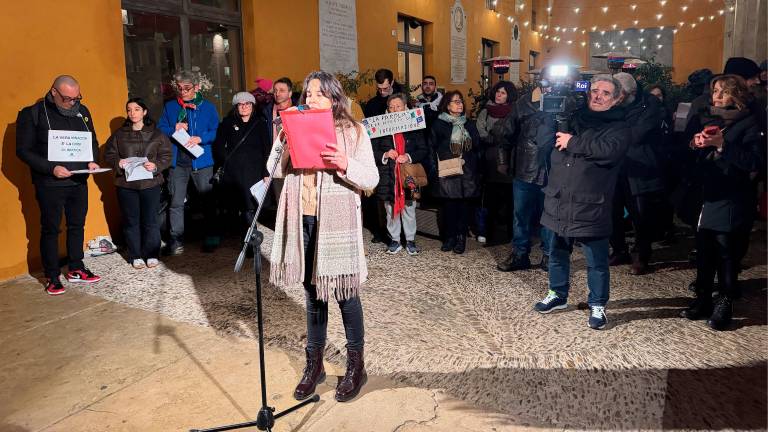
138 263
481 239
152 262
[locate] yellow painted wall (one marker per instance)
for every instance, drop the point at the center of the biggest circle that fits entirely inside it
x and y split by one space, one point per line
694 47
281 37
42 40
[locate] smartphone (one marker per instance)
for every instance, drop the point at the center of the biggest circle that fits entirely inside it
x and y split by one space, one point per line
711 130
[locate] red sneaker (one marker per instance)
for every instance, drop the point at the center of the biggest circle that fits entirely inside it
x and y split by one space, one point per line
82 276
54 287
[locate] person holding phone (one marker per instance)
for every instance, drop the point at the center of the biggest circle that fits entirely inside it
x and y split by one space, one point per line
139 199
727 154
318 235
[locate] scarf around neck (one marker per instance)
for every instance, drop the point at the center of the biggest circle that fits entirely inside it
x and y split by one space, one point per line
723 117
399 192
71 112
193 104
498 110
461 141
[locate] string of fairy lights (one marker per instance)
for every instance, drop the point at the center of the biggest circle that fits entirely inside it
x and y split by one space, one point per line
560 34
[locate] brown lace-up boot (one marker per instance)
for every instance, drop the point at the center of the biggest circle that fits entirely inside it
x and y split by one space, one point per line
314 373
354 379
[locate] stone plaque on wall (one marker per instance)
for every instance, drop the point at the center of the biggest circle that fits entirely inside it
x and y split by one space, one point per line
458 44
338 36
514 68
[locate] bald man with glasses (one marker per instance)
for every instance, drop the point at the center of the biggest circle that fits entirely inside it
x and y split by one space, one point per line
55 137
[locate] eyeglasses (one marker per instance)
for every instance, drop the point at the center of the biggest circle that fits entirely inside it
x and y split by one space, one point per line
185 88
67 99
458 101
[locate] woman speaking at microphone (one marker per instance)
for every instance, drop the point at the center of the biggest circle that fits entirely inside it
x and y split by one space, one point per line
318 235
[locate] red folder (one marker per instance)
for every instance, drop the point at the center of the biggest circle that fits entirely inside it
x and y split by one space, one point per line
308 133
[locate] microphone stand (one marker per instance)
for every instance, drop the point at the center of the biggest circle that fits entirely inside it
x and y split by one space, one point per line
265 420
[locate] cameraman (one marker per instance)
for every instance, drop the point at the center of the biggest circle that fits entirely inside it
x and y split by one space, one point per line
640 187
577 203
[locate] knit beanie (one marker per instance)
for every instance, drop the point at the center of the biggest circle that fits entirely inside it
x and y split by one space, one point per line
741 66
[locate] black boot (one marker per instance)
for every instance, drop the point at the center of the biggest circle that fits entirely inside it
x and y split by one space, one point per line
515 262
721 314
355 377
448 244
461 244
314 373
700 308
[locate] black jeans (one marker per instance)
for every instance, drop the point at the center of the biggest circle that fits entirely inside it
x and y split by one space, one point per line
718 252
73 200
140 222
644 212
455 214
317 310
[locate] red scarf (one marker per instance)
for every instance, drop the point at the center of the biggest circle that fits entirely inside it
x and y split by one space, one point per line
185 105
399 192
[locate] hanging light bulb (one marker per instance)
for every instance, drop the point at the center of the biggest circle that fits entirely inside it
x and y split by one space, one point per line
661 28
498 14
684 8
635 22
621 32
732 8
613 26
641 40
605 9
625 42
549 9
525 24
594 28
681 24
576 10
597 45
633 7
660 46
658 36
662 2
711 17
570 42
693 25
674 31
583 43
642 30
720 12
701 19
659 17
583 31
602 32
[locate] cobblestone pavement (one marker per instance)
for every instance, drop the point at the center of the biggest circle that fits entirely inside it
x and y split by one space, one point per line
452 322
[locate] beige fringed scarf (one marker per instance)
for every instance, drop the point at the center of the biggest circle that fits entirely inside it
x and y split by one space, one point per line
339 264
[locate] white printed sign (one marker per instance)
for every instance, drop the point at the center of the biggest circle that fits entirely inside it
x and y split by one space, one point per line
458 44
392 123
70 146
338 35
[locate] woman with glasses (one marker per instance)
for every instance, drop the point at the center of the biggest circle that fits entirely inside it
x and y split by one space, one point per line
139 198
318 235
240 155
455 139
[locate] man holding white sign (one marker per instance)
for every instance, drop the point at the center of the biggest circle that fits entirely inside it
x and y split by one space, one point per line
55 137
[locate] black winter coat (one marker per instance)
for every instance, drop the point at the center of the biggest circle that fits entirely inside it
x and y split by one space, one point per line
415 147
496 134
247 164
32 127
534 143
469 184
726 186
641 166
377 105
583 177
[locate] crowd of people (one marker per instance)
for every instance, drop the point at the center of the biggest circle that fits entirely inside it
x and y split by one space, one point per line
611 162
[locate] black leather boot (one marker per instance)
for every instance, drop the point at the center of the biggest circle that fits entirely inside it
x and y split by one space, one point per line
314 373
461 244
515 262
700 308
354 379
448 244
721 313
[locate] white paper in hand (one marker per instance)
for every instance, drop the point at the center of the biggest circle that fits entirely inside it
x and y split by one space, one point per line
183 138
259 191
134 169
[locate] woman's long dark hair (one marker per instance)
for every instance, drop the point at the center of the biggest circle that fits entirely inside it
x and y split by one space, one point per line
331 88
140 102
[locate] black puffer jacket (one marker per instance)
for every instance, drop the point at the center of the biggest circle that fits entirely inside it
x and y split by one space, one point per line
246 164
725 177
415 147
583 178
32 125
149 142
534 143
641 166
496 135
466 185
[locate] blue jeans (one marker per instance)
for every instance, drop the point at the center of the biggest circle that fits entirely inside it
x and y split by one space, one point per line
598 277
529 204
178 180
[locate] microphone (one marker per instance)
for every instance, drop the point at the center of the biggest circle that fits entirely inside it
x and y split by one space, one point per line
278 121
